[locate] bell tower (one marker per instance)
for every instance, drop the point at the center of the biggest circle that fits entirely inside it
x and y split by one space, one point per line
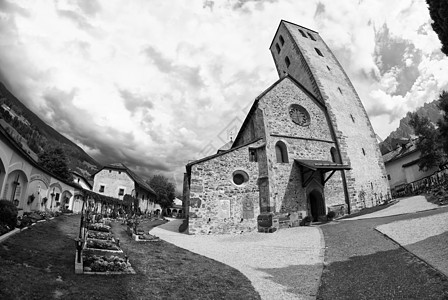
303 54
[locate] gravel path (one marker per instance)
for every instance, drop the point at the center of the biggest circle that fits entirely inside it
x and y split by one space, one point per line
404 206
361 263
283 265
426 237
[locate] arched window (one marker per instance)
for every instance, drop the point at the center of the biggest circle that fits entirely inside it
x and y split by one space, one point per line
281 153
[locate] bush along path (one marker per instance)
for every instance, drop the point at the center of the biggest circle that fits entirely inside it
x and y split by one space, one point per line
361 263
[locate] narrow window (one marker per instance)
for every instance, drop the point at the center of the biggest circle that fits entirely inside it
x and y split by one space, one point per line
340 91
388 176
363 151
311 36
120 192
334 155
371 185
302 33
328 68
277 47
281 153
318 52
287 62
119 172
253 155
56 197
353 118
101 189
110 171
282 41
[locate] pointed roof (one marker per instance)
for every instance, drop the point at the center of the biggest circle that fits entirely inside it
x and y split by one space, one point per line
255 104
135 177
226 146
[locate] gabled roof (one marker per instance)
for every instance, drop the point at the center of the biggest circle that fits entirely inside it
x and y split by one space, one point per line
220 153
255 104
82 177
400 152
225 147
135 177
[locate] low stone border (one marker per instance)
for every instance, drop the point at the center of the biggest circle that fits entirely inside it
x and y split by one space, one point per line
8 234
79 269
105 250
130 272
136 238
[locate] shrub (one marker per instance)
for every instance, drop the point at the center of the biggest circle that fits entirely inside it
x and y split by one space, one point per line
331 215
8 213
305 221
183 226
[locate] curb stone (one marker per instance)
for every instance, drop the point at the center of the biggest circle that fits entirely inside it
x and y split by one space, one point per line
414 255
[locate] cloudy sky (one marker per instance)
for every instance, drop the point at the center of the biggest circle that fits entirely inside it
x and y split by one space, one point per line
154 84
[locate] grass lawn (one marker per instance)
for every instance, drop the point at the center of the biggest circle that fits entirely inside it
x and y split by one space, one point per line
39 264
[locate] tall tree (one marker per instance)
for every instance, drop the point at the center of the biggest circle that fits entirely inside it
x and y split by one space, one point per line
54 160
431 154
164 189
443 122
438 10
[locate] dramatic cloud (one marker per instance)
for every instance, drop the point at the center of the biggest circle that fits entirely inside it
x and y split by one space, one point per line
156 84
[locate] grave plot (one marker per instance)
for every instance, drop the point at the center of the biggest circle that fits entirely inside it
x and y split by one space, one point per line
137 232
98 252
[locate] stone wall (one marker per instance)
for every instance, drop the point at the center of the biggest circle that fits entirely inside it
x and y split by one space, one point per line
312 142
217 204
367 181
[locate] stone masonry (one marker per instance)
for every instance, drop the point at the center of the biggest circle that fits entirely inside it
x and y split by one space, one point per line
306 147
313 64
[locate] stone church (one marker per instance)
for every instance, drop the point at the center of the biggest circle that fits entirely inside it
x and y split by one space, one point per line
306 147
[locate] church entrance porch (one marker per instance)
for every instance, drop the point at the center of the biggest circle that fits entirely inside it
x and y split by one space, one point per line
314 176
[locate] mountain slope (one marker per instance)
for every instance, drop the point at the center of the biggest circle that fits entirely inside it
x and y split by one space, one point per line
34 134
404 130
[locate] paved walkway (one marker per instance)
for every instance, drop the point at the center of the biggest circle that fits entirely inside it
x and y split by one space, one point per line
404 206
361 263
283 265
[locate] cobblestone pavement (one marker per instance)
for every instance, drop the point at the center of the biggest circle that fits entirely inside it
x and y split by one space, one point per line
286 264
361 263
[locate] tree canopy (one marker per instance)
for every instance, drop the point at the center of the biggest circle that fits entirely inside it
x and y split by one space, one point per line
438 10
443 122
54 160
164 189
433 142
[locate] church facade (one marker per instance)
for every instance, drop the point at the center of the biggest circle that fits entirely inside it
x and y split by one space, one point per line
305 148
